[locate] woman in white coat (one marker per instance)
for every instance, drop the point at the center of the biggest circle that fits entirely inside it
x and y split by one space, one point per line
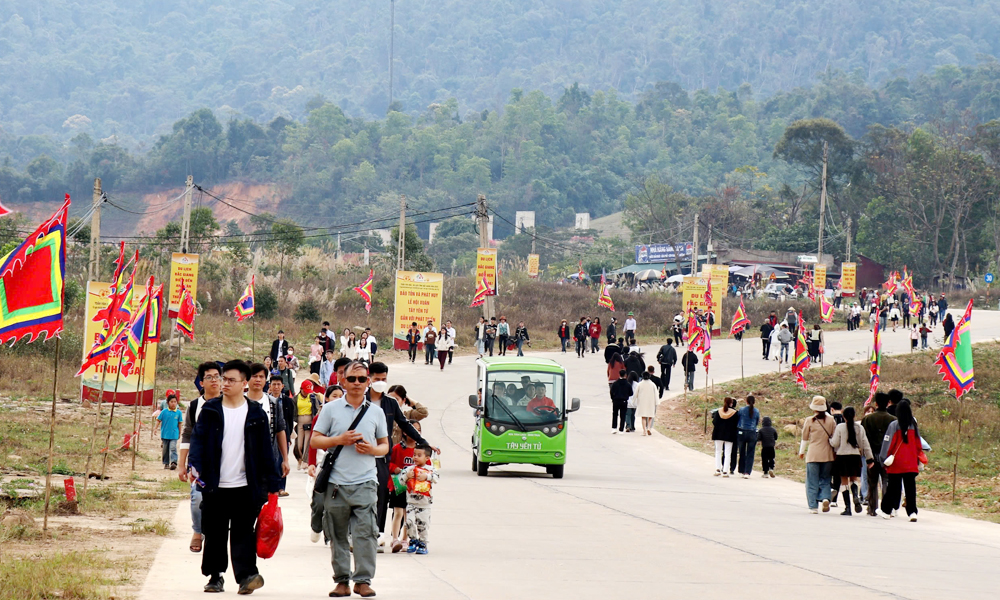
646 395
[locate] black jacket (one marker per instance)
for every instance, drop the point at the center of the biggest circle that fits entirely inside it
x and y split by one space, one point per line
612 333
563 332
394 416
621 390
278 348
635 364
206 449
689 361
724 429
667 355
290 410
580 332
610 350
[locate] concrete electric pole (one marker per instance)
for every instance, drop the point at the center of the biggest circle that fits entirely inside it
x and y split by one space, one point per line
94 272
186 220
401 256
822 203
483 220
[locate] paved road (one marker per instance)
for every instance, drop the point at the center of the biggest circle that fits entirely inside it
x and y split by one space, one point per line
633 518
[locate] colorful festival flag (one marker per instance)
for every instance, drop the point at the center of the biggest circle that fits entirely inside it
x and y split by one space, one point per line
245 307
4 210
663 271
955 360
32 277
186 313
706 345
915 307
876 360
155 306
891 283
800 361
580 274
826 311
117 288
604 298
103 348
696 334
907 283
740 320
365 289
482 291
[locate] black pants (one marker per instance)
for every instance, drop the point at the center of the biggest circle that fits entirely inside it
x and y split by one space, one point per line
665 375
581 347
766 342
488 345
618 408
314 367
890 501
412 353
502 350
906 317
875 473
767 458
229 513
630 336
383 491
677 339
451 354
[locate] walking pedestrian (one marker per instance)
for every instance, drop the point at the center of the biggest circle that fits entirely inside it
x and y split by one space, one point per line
316 353
563 333
948 325
480 337
613 348
616 364
595 335
768 437
724 433
420 479
903 458
170 431
815 448
275 421
279 347
580 334
850 447
358 432
766 329
630 328
784 338
210 375
453 334
667 358
503 335
746 436
430 336
307 404
677 329
612 331
815 342
444 345
489 336
621 391
630 406
231 454
689 361
412 340
924 332
646 394
520 337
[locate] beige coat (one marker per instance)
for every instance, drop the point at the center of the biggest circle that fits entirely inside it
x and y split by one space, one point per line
842 447
646 395
817 435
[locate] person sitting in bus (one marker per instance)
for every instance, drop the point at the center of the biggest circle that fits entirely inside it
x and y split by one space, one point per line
529 394
540 398
513 393
500 394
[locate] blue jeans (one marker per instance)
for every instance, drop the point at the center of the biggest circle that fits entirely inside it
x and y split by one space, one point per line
429 354
783 353
817 482
864 478
689 379
746 445
564 341
629 419
195 508
520 342
169 451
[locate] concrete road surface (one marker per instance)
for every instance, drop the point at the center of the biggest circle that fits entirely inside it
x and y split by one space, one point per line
633 518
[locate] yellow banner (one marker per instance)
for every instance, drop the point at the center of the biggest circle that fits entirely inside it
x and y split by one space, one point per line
183 267
418 299
486 265
819 278
848 278
128 387
719 275
533 266
693 296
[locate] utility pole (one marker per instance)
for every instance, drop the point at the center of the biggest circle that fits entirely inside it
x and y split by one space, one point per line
186 221
694 251
708 247
392 44
822 203
401 257
849 223
95 233
483 219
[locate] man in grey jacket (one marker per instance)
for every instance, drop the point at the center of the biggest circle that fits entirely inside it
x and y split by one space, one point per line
784 338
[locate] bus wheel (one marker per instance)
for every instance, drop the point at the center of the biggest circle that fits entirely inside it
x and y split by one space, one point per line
475 461
482 468
555 470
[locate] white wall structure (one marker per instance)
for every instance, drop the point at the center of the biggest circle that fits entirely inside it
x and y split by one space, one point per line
431 228
386 236
583 220
525 219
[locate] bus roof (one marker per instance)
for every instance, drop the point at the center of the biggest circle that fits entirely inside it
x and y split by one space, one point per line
521 363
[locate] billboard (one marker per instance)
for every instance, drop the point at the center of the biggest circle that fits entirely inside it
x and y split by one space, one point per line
659 253
848 278
533 266
183 267
418 298
486 266
819 277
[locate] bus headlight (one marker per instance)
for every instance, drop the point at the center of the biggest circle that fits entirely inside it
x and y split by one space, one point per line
502 429
557 454
545 429
493 428
489 453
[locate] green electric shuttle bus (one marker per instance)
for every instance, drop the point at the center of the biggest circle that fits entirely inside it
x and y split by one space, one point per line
521 414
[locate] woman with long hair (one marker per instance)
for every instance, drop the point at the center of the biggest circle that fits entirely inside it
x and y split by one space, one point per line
351 347
815 448
616 364
902 455
850 443
645 407
724 435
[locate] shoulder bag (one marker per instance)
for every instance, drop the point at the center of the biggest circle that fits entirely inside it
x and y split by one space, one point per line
323 476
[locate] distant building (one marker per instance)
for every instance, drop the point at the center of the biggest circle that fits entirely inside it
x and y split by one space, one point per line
871 274
582 221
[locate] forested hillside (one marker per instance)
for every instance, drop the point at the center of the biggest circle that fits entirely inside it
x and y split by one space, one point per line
131 67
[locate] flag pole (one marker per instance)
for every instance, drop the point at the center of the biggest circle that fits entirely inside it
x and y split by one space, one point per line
136 423
52 437
253 337
741 354
97 423
111 417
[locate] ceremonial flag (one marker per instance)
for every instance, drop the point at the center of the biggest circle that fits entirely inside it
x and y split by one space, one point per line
103 347
890 284
137 332
604 298
825 309
365 289
3 210
155 306
696 334
706 345
800 361
876 360
482 291
915 307
663 272
117 287
955 360
581 274
245 307
32 277
185 313
907 283
740 320
708 294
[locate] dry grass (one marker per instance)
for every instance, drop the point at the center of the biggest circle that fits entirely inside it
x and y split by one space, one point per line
70 575
935 409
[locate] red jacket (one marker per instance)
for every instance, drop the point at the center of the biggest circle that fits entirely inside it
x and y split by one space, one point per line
908 455
595 330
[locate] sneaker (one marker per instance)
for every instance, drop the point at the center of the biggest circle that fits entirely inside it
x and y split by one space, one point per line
421 548
764 475
826 506
833 504
745 476
413 547
814 511
250 584
314 537
397 545
215 584
893 513
614 431
725 473
885 515
718 472
771 473
913 518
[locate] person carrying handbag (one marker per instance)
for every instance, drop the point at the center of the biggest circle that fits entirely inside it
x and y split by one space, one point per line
903 457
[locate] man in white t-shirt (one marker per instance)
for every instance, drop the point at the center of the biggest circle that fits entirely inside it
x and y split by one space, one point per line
234 483
630 326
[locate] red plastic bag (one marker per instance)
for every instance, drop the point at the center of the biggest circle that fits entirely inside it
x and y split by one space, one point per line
269 527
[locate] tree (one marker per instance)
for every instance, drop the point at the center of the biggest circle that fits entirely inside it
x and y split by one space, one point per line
654 210
286 241
415 258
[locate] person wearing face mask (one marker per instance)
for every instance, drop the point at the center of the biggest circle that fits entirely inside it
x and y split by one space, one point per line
394 416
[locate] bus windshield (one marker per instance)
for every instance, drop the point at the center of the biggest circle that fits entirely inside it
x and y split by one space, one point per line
528 397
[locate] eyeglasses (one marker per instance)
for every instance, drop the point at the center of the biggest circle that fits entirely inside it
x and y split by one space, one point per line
356 378
212 378
231 380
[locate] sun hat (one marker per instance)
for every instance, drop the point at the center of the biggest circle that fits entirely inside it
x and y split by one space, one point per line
818 403
314 377
631 314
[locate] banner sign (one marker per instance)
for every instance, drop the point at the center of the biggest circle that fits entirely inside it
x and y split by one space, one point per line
418 298
693 296
183 267
533 266
486 266
658 253
128 387
848 278
819 277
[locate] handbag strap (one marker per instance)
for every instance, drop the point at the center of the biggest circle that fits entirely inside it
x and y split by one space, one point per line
357 419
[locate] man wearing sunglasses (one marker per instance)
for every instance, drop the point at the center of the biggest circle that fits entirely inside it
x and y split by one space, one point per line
231 456
350 500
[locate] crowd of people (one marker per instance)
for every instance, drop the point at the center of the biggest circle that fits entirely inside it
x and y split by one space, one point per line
853 458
